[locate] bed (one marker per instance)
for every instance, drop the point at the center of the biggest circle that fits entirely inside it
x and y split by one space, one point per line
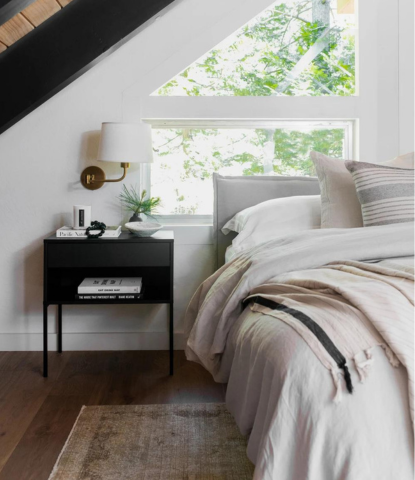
306 418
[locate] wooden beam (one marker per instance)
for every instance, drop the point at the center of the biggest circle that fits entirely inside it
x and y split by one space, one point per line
10 8
62 49
63 3
15 29
41 10
3 47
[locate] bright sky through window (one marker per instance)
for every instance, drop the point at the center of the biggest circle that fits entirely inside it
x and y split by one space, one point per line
294 48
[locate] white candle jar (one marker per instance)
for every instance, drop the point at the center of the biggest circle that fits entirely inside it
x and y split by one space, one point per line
81 217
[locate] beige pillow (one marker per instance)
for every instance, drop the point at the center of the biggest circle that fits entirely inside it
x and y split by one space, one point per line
403 161
340 207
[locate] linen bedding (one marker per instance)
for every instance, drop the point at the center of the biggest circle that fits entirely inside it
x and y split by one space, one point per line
285 389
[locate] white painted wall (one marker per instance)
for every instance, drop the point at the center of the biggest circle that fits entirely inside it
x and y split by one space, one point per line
43 155
406 76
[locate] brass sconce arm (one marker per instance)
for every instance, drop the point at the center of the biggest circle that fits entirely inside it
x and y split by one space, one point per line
125 166
93 178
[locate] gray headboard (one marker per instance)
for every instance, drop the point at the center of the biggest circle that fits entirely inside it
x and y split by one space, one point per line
233 194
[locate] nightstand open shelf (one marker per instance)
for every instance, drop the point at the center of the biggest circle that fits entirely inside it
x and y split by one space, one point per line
66 296
68 261
62 283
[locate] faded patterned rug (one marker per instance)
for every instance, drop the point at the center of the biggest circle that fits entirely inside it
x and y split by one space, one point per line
148 442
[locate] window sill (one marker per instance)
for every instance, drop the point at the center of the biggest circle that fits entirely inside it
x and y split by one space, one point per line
191 233
185 220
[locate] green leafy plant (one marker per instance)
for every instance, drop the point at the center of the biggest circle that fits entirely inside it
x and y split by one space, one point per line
137 202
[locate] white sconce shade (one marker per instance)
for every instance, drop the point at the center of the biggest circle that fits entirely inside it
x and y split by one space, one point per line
125 143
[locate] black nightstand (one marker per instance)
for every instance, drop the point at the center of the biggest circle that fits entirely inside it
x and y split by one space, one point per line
67 261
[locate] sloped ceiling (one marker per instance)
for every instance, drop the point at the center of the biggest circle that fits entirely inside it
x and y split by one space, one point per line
16 25
46 44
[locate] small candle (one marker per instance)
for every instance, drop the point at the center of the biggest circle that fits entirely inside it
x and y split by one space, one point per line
81 217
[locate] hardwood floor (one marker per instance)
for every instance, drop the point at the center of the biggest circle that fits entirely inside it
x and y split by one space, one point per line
37 414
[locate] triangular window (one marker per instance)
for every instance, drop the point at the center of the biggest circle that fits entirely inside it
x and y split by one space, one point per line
294 48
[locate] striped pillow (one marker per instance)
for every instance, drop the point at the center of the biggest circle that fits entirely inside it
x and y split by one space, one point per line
386 194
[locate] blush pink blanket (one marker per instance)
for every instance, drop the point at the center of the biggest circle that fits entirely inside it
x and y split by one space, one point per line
279 390
358 305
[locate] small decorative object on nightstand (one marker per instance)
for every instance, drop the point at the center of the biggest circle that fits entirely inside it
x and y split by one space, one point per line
81 217
68 261
143 229
138 203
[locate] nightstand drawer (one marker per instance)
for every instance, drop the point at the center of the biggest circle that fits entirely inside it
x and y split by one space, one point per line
108 255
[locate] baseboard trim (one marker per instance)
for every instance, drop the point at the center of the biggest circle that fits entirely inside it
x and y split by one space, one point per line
91 341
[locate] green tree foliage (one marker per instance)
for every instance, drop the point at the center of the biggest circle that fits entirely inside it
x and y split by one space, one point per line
205 151
293 147
257 60
281 52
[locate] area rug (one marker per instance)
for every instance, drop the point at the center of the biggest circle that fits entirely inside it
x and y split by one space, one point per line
148 442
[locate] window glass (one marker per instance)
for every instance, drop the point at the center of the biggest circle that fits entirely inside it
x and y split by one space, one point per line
185 159
294 48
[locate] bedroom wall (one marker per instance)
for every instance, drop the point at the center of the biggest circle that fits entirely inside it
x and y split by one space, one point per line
43 155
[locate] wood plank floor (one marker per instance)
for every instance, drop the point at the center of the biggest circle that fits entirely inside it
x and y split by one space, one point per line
37 414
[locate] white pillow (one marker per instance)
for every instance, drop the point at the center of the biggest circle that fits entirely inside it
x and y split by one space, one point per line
273 218
340 207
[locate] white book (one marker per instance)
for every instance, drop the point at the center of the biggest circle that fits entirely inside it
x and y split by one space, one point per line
69 232
111 285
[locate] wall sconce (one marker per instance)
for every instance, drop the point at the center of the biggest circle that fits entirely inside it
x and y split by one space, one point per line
120 142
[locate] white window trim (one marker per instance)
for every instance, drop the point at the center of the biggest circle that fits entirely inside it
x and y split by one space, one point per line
380 118
244 122
376 107
145 171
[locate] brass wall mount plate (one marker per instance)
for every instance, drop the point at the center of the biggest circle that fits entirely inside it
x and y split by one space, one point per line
93 178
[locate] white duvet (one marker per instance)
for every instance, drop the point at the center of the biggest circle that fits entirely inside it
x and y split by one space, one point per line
278 391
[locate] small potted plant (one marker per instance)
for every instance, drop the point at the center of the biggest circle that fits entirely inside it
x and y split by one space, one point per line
136 202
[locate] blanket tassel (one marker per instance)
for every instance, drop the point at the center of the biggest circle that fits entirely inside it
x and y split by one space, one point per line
336 378
347 377
363 367
393 359
337 374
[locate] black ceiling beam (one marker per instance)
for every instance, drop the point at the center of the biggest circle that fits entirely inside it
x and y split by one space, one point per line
64 47
10 8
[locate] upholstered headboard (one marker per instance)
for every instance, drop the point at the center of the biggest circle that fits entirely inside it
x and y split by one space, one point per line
233 194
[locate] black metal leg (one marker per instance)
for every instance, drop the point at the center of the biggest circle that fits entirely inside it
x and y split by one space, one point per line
60 328
45 340
171 338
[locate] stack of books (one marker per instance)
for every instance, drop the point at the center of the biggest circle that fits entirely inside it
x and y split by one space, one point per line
130 288
69 232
